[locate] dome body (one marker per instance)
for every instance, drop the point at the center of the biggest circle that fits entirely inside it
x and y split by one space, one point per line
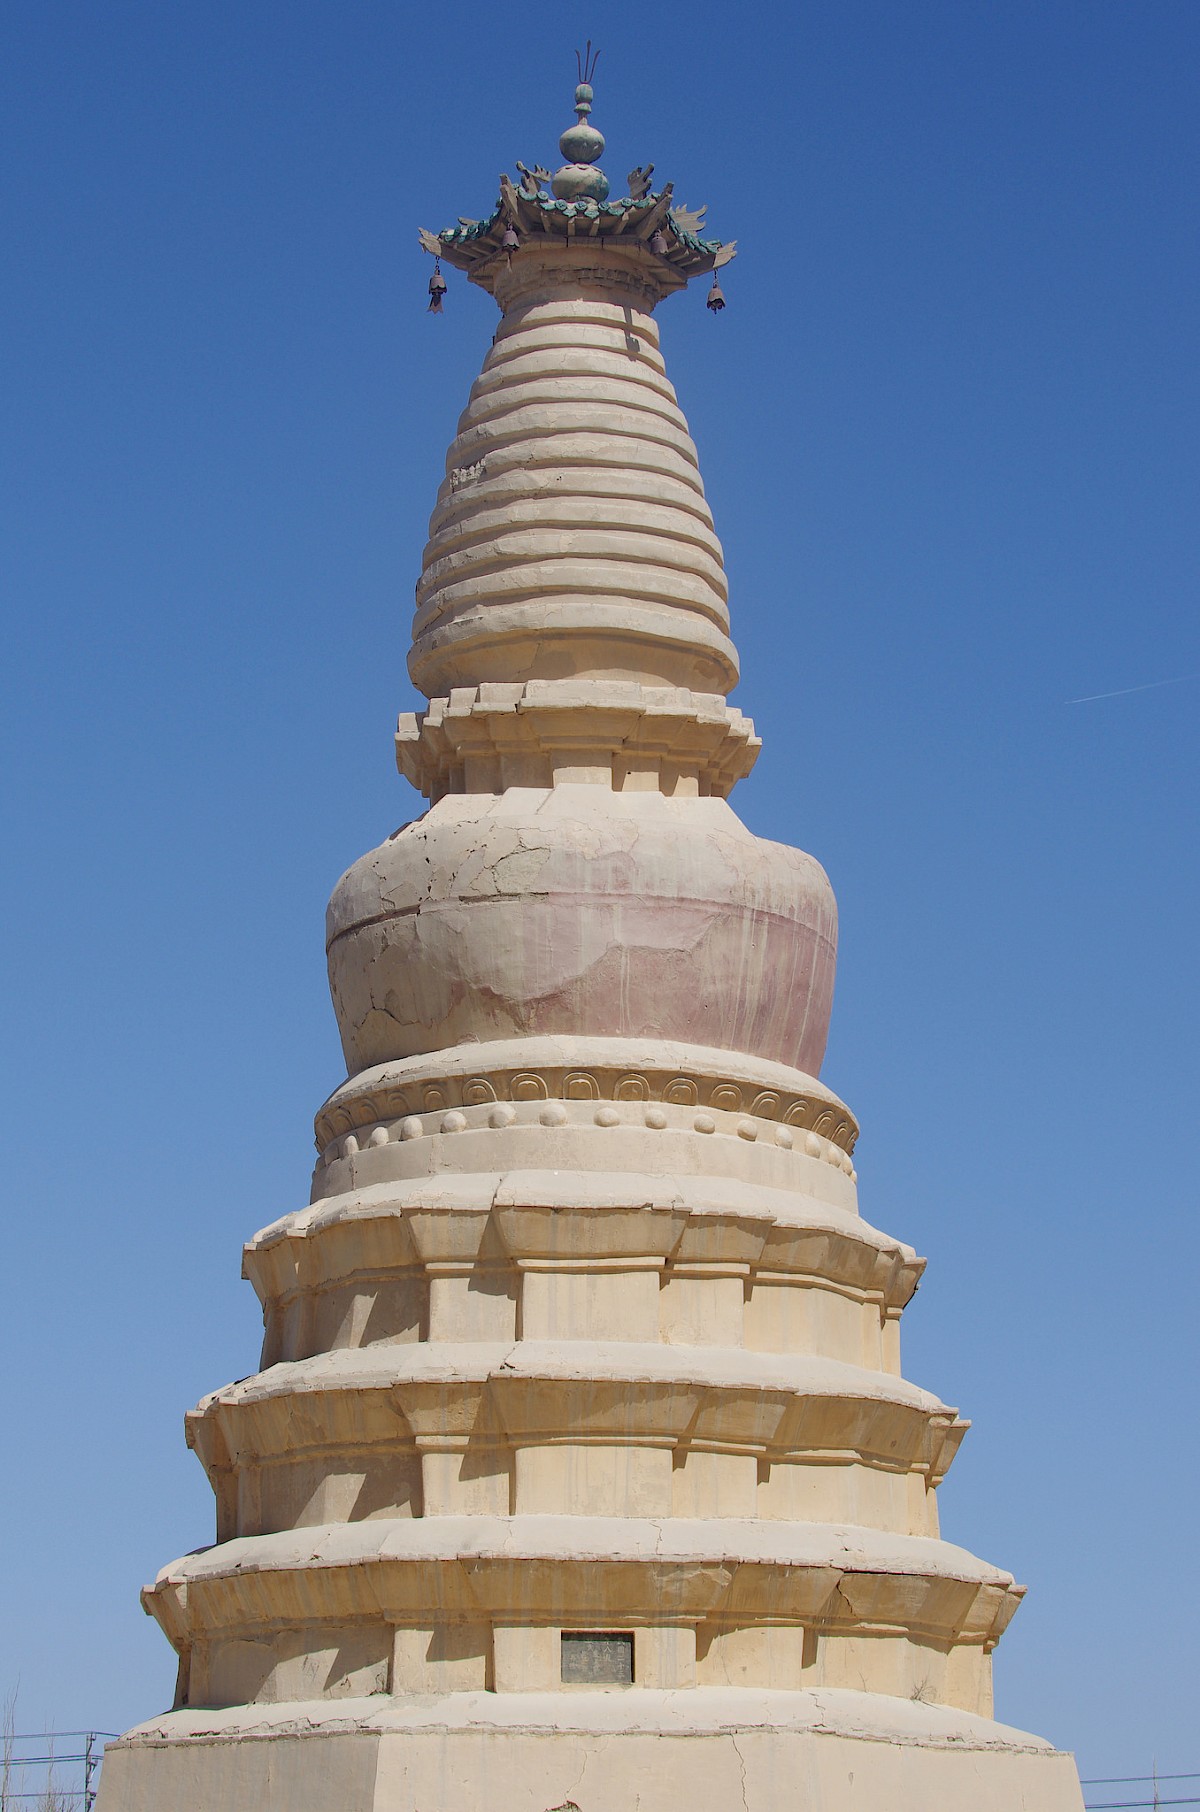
579 909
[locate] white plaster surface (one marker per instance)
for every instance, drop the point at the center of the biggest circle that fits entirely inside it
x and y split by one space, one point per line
572 535
604 1751
535 912
581 1332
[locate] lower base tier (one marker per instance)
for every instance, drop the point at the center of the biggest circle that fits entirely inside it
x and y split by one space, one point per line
619 1751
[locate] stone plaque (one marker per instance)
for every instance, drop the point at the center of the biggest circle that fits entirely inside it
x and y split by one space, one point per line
597 1658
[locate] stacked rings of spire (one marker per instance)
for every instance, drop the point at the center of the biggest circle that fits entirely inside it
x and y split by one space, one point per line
572 537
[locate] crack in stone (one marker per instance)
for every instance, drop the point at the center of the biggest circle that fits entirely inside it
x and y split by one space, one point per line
742 1765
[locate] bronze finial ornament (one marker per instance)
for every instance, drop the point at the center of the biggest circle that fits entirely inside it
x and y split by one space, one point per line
649 224
586 63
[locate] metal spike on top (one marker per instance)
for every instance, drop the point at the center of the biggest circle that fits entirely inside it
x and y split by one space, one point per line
581 144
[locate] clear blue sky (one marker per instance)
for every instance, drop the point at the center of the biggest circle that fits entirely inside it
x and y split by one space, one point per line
948 424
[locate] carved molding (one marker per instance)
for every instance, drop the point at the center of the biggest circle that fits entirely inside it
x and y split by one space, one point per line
382 1410
705 1571
435 1094
484 738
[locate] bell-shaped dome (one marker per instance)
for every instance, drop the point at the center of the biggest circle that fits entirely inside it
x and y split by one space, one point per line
580 910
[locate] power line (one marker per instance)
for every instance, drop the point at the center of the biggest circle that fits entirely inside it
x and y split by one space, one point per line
1123 1805
1108 1780
48 1762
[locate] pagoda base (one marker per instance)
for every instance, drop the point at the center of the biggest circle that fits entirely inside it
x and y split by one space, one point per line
627 1750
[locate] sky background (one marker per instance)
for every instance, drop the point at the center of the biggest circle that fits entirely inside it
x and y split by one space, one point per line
948 427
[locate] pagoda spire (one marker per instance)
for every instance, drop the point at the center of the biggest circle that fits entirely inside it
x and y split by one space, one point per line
572 611
580 1470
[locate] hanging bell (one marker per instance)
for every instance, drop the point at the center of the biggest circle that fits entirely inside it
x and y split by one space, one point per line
658 243
437 288
510 240
716 297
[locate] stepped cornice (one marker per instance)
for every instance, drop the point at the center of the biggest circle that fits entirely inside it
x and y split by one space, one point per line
843 1580
598 1390
566 1215
623 736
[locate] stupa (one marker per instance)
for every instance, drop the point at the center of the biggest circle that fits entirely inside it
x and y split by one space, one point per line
580 1471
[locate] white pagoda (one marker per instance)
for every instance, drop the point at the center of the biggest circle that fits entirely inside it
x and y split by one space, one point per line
580 1471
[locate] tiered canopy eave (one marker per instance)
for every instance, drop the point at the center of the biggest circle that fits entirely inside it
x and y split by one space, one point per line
478 247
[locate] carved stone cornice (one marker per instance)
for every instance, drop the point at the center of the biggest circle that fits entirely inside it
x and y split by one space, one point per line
777 1407
611 733
515 1569
716 1086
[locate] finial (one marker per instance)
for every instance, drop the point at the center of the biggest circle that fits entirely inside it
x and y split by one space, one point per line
586 63
663 235
581 144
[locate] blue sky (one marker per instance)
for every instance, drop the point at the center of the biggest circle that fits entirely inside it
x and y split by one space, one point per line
948 425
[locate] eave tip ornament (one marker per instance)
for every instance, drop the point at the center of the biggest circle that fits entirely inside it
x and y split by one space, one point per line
540 210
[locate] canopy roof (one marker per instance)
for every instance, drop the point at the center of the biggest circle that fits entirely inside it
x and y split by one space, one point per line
473 245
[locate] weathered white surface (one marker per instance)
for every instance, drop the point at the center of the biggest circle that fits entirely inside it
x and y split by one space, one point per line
869 1716
572 536
630 1363
603 1751
581 1334
628 914
432 1540
612 733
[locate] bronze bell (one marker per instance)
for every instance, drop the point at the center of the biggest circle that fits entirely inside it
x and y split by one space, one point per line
716 296
437 288
658 242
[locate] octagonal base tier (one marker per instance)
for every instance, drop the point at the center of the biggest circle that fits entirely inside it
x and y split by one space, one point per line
596 1751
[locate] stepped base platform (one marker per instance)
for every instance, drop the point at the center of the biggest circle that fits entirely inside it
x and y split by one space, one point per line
624 1750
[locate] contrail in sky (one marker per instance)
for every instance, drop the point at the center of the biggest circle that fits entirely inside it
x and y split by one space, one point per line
1093 698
